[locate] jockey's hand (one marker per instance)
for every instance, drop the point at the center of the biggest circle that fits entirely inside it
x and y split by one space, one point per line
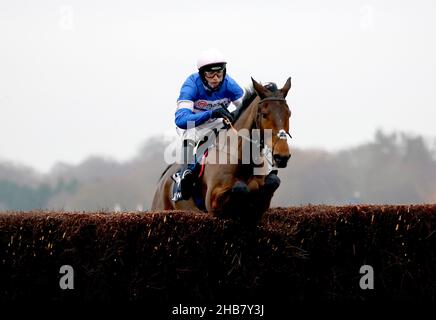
222 113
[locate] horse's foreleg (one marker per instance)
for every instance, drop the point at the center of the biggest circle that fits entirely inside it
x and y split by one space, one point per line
231 201
272 182
241 200
236 202
266 192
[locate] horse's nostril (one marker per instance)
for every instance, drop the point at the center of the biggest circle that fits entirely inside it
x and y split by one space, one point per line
281 161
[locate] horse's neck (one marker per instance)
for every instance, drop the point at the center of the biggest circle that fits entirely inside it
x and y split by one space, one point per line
247 121
248 117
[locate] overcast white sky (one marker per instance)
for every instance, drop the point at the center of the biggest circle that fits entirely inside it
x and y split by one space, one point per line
88 77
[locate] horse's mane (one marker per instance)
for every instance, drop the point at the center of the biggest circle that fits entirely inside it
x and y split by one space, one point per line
250 95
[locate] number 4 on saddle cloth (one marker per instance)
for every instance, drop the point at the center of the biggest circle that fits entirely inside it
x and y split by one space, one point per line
182 189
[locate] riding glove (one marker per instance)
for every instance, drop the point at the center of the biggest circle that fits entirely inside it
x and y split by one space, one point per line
222 113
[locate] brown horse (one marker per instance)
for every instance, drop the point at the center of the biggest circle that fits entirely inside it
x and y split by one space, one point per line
236 188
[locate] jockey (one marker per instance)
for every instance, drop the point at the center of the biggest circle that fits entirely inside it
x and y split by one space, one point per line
201 107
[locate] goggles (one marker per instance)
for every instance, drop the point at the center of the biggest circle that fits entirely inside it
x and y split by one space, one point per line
212 74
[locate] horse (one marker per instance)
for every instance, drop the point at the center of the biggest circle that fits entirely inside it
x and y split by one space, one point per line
237 189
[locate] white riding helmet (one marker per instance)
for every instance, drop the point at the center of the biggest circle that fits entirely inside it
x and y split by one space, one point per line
210 56
211 60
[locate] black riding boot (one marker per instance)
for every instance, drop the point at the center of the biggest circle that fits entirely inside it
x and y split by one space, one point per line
186 171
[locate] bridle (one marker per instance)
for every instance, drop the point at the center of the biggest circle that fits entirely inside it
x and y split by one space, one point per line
281 134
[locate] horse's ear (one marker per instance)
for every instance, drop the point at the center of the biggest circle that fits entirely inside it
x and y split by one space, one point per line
260 89
286 87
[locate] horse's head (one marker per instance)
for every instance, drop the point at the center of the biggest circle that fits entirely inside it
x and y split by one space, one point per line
273 113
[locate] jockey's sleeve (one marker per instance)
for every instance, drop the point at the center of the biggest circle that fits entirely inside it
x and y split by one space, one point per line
188 92
238 102
236 93
184 116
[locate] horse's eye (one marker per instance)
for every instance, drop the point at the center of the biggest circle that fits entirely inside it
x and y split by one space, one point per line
264 115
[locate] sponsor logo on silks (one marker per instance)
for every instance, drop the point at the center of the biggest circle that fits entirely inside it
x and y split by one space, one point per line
210 105
202 103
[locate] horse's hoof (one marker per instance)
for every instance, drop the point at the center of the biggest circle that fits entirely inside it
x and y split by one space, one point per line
240 188
272 181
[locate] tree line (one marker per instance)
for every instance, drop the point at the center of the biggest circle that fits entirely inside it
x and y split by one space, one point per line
393 168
